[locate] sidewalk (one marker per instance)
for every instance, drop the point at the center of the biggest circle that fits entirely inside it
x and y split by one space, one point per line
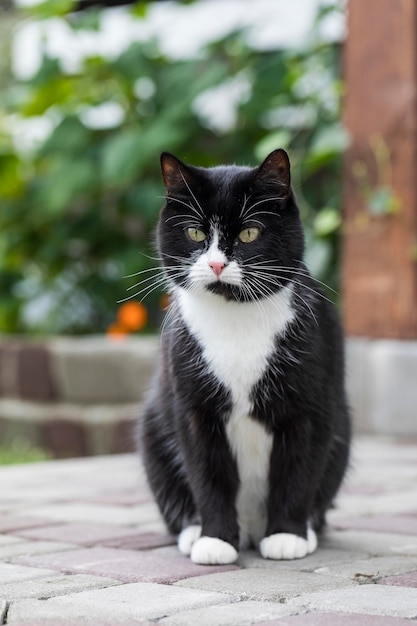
81 542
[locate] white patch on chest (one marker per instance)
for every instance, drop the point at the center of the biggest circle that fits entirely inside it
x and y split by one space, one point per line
237 340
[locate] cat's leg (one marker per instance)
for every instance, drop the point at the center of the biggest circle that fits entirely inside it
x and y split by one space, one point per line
288 546
213 551
187 538
214 483
165 472
333 472
292 484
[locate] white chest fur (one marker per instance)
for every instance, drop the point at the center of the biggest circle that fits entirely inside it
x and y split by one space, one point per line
237 340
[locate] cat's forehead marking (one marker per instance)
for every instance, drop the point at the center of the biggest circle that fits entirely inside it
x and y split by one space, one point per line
216 229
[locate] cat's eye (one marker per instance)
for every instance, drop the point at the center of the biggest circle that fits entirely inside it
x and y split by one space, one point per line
196 234
247 235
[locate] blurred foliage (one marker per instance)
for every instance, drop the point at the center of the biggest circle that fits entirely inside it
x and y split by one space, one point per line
21 451
78 208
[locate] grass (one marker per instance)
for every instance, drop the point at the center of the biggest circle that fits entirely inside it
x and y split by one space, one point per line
21 451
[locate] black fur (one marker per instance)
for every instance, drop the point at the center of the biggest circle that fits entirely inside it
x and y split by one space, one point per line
300 399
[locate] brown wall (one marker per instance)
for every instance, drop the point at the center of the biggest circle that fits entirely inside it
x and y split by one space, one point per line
380 252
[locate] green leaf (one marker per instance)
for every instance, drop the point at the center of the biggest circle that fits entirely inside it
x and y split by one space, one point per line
86 20
327 222
131 151
52 8
11 184
139 10
65 181
121 156
318 253
69 136
330 138
278 139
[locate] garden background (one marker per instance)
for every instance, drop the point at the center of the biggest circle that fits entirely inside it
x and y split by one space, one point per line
82 129
90 96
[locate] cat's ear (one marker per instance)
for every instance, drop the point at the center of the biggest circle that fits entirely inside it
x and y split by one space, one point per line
176 174
275 172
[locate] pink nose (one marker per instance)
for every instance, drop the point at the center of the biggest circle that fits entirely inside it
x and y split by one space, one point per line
217 267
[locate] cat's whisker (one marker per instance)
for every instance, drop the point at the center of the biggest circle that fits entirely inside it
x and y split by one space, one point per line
263 213
159 270
160 282
267 276
150 269
189 206
161 277
276 280
252 206
176 217
245 201
256 222
307 305
304 272
191 192
297 272
147 256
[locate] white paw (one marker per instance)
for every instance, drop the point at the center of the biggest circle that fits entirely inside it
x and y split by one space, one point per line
287 546
187 538
213 551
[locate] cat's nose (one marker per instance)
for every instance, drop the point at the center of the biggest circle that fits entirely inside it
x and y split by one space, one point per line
217 267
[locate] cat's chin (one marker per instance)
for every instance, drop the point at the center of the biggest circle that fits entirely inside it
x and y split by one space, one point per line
227 291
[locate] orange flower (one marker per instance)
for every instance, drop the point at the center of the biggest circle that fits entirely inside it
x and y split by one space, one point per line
132 316
115 331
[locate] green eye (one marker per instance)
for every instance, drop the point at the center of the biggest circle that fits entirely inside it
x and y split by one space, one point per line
195 234
247 235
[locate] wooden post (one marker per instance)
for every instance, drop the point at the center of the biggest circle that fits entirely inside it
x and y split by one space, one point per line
380 251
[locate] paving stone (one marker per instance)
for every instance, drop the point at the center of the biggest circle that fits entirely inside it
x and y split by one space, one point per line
80 533
10 523
85 622
96 513
403 524
400 500
374 544
26 548
141 541
115 604
125 565
70 479
404 580
18 573
6 540
370 599
323 557
337 619
242 613
54 585
124 498
370 570
263 584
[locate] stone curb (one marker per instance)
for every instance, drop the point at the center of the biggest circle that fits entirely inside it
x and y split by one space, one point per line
74 396
79 396
78 370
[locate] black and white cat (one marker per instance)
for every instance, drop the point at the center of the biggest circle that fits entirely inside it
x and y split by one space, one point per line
245 434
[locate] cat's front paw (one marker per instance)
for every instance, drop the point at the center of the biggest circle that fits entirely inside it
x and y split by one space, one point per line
213 551
288 546
187 539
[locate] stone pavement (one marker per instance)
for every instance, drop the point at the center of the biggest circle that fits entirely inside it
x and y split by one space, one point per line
81 542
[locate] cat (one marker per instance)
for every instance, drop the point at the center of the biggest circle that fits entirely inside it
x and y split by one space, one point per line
245 433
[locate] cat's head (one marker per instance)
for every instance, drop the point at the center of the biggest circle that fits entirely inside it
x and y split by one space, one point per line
234 231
